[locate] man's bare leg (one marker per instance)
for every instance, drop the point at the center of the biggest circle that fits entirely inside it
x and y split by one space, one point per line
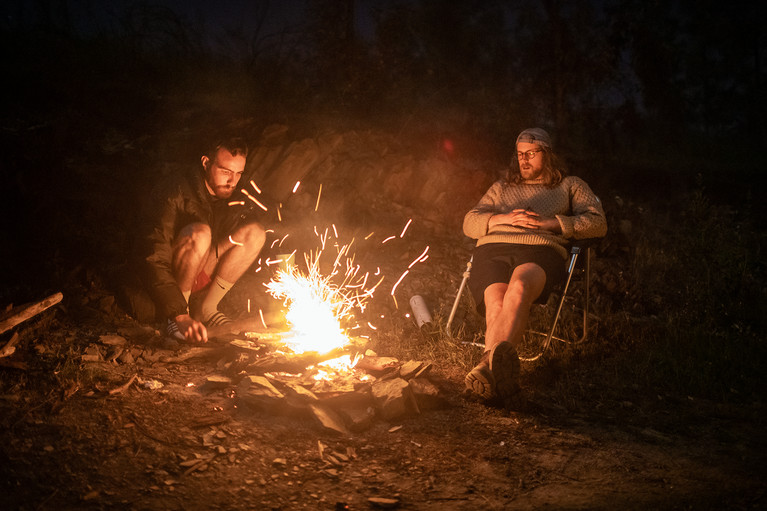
507 308
190 251
234 259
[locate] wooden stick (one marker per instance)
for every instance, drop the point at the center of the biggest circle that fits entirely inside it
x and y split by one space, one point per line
124 387
29 312
10 346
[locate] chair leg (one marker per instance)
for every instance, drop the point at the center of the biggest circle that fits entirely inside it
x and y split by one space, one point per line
570 270
466 274
586 297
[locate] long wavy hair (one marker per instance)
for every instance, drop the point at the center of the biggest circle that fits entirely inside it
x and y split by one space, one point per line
554 170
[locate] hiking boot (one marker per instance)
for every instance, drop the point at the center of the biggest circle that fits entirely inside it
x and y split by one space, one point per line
480 381
504 368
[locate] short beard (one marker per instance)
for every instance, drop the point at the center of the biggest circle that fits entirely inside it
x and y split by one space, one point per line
223 192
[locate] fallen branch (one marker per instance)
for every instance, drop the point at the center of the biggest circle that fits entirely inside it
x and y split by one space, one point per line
10 346
122 388
29 312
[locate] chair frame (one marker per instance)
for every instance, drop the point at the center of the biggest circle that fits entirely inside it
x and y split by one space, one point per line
578 247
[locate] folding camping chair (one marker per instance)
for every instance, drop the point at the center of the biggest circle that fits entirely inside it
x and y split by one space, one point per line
532 347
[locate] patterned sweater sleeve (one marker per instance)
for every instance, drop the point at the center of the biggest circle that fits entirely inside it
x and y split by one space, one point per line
588 217
475 222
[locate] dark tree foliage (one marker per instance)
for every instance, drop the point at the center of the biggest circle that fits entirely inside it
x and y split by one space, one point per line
661 84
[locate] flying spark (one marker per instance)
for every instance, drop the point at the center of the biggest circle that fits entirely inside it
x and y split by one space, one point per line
397 283
420 257
261 315
249 196
402 234
319 194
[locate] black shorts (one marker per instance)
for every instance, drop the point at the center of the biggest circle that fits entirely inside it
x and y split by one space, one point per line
495 262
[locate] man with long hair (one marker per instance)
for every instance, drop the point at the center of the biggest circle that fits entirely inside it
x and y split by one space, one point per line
523 226
200 244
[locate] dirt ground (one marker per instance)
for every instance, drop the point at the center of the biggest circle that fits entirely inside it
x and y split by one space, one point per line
73 437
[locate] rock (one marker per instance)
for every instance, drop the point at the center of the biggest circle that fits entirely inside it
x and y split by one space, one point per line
299 396
328 418
393 398
361 397
376 364
426 394
357 418
258 392
425 369
409 369
217 381
112 340
126 357
383 503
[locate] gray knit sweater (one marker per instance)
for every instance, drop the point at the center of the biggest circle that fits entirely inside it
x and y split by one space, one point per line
572 202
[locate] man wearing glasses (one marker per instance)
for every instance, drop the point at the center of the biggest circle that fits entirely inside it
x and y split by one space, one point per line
202 241
523 225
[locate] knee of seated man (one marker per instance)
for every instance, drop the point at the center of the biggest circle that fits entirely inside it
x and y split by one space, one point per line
198 234
252 236
521 289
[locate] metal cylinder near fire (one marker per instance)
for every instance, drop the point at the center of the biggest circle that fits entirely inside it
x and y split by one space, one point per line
420 311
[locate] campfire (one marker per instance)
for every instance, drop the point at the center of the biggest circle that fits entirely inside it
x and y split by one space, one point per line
319 365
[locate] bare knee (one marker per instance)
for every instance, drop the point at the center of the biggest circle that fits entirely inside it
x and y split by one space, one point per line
252 237
520 292
196 238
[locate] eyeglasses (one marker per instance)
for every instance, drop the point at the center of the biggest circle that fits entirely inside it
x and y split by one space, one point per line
528 155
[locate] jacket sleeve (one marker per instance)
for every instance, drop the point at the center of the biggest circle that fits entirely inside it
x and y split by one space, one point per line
588 217
163 286
475 222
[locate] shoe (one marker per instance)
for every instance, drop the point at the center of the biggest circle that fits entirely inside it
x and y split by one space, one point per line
480 381
504 368
172 331
218 318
